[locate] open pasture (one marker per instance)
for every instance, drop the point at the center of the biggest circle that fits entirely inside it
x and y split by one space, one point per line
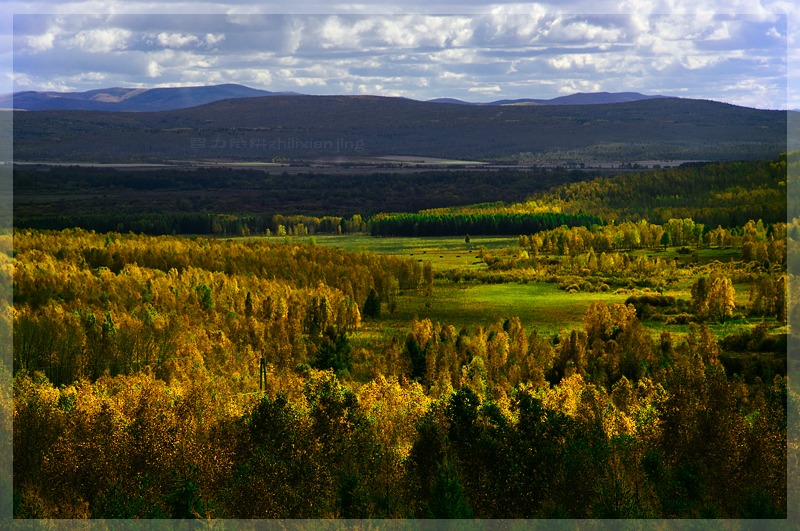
540 306
442 252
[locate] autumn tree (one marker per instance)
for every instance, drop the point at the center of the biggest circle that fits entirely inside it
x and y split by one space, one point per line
721 299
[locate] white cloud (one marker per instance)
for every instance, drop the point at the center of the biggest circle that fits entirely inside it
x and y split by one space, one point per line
575 61
582 31
335 34
293 37
176 40
212 39
41 43
571 86
154 69
493 89
101 40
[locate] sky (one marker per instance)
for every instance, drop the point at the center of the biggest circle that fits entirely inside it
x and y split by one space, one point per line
740 52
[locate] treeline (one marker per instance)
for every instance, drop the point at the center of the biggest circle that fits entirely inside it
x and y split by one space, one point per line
726 194
241 202
758 242
197 223
458 224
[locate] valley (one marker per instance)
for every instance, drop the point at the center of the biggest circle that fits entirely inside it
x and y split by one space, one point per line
493 311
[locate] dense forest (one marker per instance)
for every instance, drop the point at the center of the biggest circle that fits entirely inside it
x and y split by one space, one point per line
446 224
138 368
231 202
237 201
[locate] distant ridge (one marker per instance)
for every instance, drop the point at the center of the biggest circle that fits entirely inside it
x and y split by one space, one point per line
128 99
451 100
580 98
596 98
174 98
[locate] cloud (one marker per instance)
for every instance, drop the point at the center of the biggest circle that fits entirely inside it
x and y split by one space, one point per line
101 40
41 43
176 40
154 69
493 89
511 50
211 39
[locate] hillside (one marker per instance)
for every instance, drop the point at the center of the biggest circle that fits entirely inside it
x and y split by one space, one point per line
727 194
312 127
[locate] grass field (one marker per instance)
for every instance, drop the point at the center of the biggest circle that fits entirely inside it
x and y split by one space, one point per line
443 252
540 306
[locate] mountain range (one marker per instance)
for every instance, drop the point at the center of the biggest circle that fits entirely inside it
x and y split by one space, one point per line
579 98
130 99
307 128
165 99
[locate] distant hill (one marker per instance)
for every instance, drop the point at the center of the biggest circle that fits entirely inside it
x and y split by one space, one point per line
128 99
581 98
597 98
173 98
453 100
312 127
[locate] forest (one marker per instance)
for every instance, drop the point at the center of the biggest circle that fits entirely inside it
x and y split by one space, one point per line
568 353
237 202
137 387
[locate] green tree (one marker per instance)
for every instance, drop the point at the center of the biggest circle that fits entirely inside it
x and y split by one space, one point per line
334 352
665 240
372 306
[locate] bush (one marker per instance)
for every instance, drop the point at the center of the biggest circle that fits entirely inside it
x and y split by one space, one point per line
680 319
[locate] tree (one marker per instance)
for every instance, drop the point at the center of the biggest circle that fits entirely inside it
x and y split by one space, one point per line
721 299
764 297
665 240
334 352
372 306
205 297
427 278
700 290
416 355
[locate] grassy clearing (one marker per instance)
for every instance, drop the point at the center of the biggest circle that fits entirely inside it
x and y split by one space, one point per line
540 306
443 253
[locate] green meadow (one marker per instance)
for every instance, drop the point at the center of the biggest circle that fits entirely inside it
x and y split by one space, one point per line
443 252
540 306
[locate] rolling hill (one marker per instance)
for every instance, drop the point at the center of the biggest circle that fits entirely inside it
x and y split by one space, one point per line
314 127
